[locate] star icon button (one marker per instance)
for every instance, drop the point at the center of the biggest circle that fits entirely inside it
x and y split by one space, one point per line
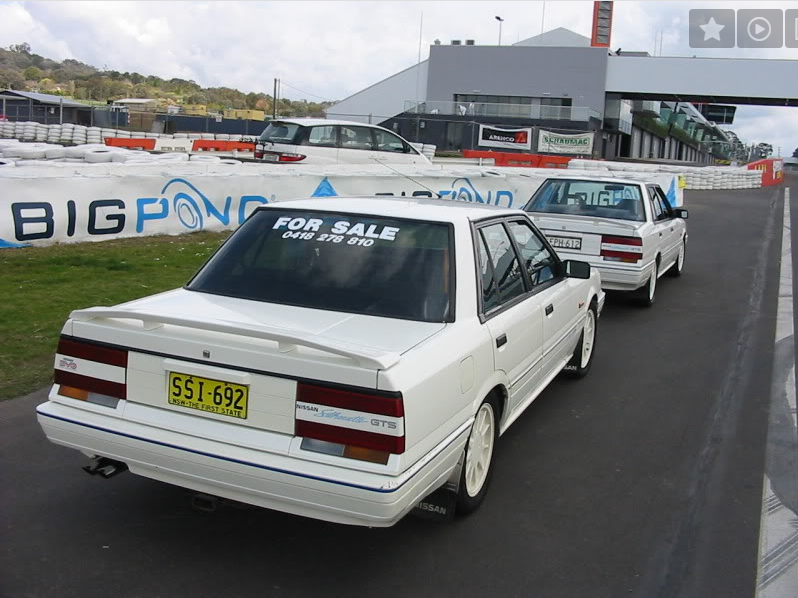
712 29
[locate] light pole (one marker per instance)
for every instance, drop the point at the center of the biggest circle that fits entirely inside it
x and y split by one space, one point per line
500 28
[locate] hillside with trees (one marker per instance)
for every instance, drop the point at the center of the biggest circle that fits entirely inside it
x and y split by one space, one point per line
23 70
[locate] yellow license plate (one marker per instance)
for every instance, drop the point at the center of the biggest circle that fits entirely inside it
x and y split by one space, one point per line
211 396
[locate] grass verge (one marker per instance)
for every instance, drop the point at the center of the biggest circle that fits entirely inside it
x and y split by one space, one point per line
40 286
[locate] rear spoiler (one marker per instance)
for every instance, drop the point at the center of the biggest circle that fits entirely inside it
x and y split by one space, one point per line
287 340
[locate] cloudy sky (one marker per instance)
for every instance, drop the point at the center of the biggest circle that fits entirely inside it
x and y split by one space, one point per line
330 50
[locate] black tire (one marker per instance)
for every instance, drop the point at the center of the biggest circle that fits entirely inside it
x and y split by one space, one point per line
676 269
645 295
467 500
577 368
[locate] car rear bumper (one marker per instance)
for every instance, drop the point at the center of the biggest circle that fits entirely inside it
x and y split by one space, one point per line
275 481
614 276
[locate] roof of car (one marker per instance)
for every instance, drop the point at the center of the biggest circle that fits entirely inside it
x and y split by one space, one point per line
311 122
436 210
599 178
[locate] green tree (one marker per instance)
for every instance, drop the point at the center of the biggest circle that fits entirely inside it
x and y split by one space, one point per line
32 73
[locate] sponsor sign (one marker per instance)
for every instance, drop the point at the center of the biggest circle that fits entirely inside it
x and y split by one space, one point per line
43 210
520 139
559 143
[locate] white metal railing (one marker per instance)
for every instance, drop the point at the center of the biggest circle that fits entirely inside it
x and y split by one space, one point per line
528 111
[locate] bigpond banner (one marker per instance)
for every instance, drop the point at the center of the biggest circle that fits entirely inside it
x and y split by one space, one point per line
559 143
41 210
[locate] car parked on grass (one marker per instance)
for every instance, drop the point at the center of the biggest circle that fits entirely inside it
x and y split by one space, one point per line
338 359
625 229
321 141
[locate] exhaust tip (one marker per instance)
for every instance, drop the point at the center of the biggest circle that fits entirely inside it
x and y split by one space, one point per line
104 467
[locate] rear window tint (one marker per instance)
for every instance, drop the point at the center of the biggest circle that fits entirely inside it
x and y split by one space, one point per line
338 262
280 132
589 198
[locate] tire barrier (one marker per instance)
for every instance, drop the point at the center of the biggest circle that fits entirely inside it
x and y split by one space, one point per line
691 177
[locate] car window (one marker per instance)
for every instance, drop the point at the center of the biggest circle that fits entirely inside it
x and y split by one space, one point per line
540 264
506 268
589 198
656 207
349 263
321 136
665 205
490 293
656 204
355 138
280 132
388 142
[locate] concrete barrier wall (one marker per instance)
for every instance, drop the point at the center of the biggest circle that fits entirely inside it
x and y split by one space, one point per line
43 204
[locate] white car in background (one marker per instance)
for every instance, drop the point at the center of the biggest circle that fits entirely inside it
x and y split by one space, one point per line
336 358
321 141
625 229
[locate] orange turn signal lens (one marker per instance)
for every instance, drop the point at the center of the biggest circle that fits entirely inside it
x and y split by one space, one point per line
73 393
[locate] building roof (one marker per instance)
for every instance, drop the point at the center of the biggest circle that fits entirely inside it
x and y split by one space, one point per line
135 101
557 37
45 98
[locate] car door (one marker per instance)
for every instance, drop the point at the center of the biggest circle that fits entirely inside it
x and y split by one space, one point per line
674 225
513 315
664 225
355 145
660 236
320 144
558 296
390 149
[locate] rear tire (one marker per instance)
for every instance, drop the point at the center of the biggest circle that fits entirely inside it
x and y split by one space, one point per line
477 470
646 294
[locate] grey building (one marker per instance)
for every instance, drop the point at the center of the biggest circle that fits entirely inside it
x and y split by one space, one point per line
554 82
42 107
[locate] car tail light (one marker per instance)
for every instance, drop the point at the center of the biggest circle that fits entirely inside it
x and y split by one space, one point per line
355 424
291 157
90 372
621 249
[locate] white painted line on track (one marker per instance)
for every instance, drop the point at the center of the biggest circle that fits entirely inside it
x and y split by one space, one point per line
778 540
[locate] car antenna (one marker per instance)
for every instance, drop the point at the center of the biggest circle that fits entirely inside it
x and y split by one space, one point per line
434 193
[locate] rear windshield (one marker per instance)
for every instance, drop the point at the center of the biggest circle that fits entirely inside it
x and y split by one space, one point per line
339 262
588 198
280 132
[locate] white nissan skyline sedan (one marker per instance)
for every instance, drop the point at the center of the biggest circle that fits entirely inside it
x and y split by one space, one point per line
625 229
336 358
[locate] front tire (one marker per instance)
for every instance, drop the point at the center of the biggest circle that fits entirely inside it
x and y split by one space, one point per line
477 470
582 358
678 265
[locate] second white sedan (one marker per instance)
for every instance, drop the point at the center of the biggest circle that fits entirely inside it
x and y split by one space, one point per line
625 229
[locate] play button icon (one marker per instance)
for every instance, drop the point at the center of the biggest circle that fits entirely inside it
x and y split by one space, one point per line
760 28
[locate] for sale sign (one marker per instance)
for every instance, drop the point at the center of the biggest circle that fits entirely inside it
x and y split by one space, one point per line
505 138
559 143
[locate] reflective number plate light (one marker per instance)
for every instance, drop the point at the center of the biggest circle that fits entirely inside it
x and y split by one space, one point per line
204 394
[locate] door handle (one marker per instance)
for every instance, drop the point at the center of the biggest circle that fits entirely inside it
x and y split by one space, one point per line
549 309
501 341
660 234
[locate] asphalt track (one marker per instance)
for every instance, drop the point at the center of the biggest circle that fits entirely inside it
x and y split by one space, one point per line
644 479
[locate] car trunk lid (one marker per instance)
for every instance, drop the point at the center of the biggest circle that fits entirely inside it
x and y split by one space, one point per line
581 234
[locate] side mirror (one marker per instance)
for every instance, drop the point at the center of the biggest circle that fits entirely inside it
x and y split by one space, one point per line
680 213
576 269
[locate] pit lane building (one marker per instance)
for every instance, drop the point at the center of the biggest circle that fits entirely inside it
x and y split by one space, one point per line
558 83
